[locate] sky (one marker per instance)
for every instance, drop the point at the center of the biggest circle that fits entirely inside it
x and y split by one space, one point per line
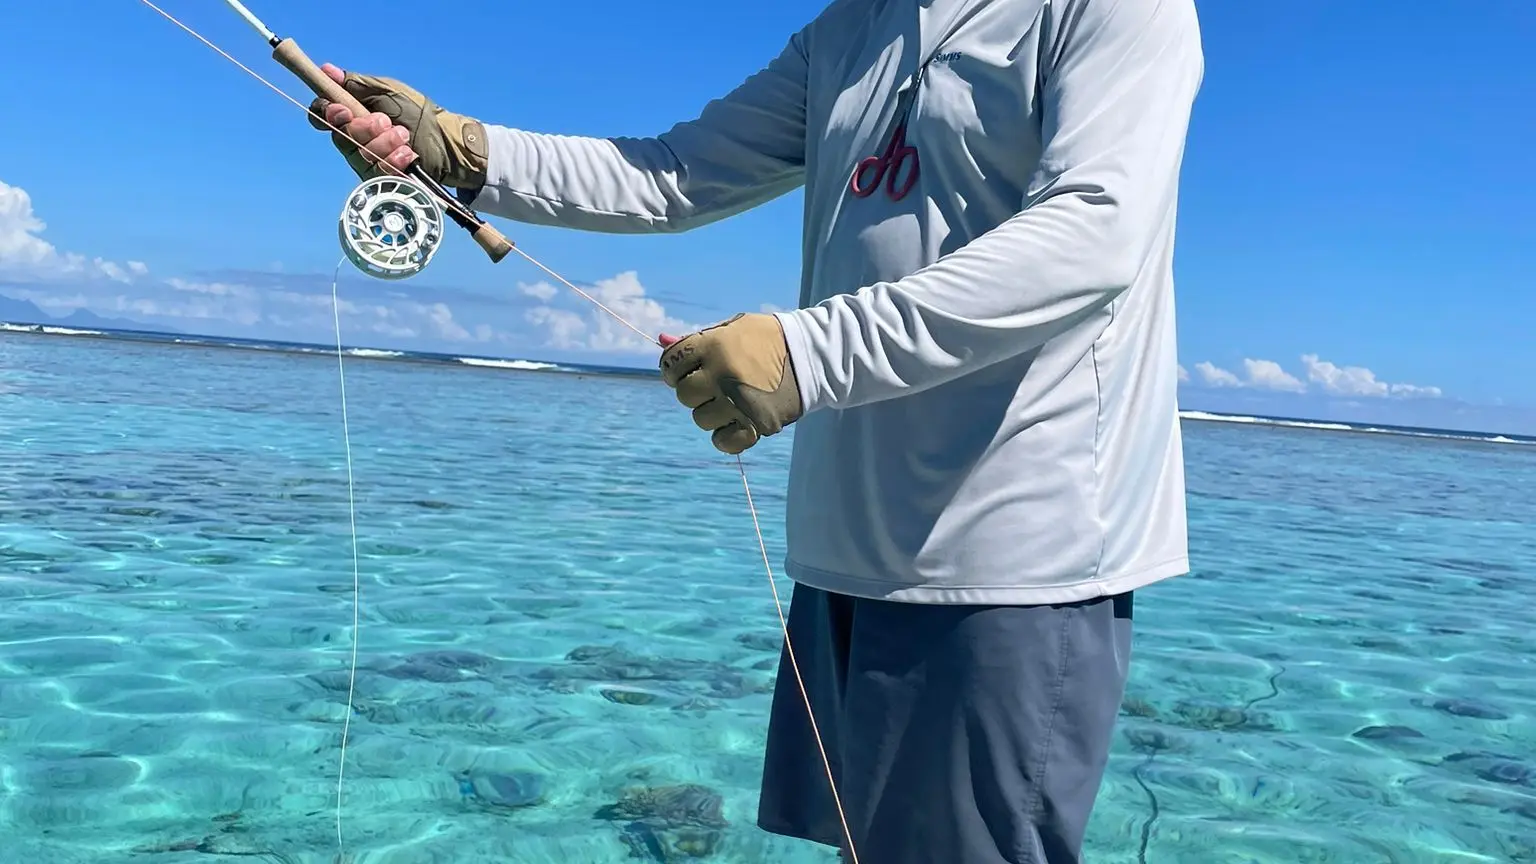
1356 216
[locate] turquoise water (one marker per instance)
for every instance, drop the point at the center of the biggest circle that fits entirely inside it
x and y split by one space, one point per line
562 598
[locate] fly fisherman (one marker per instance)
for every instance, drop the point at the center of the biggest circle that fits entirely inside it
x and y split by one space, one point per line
983 376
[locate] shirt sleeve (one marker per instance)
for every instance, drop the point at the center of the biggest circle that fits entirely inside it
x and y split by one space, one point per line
743 150
1119 86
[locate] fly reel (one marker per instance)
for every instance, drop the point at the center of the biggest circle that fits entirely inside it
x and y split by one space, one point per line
390 227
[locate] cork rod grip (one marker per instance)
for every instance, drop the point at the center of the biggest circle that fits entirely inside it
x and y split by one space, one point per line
293 58
495 244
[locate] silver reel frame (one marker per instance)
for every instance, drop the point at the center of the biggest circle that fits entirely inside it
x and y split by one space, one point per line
390 227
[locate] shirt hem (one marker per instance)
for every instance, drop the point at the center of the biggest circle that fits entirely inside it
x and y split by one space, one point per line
987 595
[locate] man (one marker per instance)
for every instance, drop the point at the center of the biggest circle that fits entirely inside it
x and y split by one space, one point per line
982 375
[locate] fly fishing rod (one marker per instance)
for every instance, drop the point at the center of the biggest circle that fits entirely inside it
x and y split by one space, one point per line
390 226
389 229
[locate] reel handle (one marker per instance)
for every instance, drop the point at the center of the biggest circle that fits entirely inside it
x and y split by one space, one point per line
288 53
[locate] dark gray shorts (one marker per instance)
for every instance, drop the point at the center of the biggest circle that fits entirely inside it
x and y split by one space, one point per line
958 734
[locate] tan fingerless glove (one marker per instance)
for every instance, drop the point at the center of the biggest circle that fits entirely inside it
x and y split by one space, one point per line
451 147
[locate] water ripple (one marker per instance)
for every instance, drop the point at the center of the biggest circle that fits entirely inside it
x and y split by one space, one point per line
1345 678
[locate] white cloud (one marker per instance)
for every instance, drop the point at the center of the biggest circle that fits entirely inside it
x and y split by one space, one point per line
1355 381
562 329
1183 373
1216 376
24 254
439 321
207 306
1416 391
542 291
219 289
407 319
1257 374
592 329
1268 375
1359 381
1343 381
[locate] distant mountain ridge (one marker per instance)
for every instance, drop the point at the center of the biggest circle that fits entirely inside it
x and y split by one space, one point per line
14 311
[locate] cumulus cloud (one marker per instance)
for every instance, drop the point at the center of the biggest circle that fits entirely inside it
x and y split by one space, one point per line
1215 376
1416 391
1268 375
25 255
541 291
1356 381
578 325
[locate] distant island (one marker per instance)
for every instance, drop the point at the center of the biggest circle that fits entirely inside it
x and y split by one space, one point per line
14 311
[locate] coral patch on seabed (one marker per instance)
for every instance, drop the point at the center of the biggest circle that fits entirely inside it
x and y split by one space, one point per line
668 823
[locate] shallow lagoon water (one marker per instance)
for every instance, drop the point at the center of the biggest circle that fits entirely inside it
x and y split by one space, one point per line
562 599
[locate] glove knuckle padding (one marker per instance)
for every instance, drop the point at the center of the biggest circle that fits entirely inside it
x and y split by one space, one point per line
451 148
400 110
362 86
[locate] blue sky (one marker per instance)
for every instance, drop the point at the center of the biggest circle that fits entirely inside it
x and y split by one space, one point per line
1357 186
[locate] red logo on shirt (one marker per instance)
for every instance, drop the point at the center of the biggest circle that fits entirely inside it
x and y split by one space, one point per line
896 153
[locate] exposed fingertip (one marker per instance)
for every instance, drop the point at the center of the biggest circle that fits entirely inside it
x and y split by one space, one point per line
401 156
334 72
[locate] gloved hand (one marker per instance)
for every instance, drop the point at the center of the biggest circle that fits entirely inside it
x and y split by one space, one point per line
404 125
737 378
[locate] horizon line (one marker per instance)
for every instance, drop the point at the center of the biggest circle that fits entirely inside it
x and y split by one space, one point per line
635 372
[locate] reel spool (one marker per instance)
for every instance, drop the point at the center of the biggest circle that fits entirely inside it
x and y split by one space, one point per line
390 227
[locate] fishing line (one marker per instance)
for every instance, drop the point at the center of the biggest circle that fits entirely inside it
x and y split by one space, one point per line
346 439
740 467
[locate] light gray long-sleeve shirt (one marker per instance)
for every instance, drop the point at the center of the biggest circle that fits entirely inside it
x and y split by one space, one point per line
987 363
